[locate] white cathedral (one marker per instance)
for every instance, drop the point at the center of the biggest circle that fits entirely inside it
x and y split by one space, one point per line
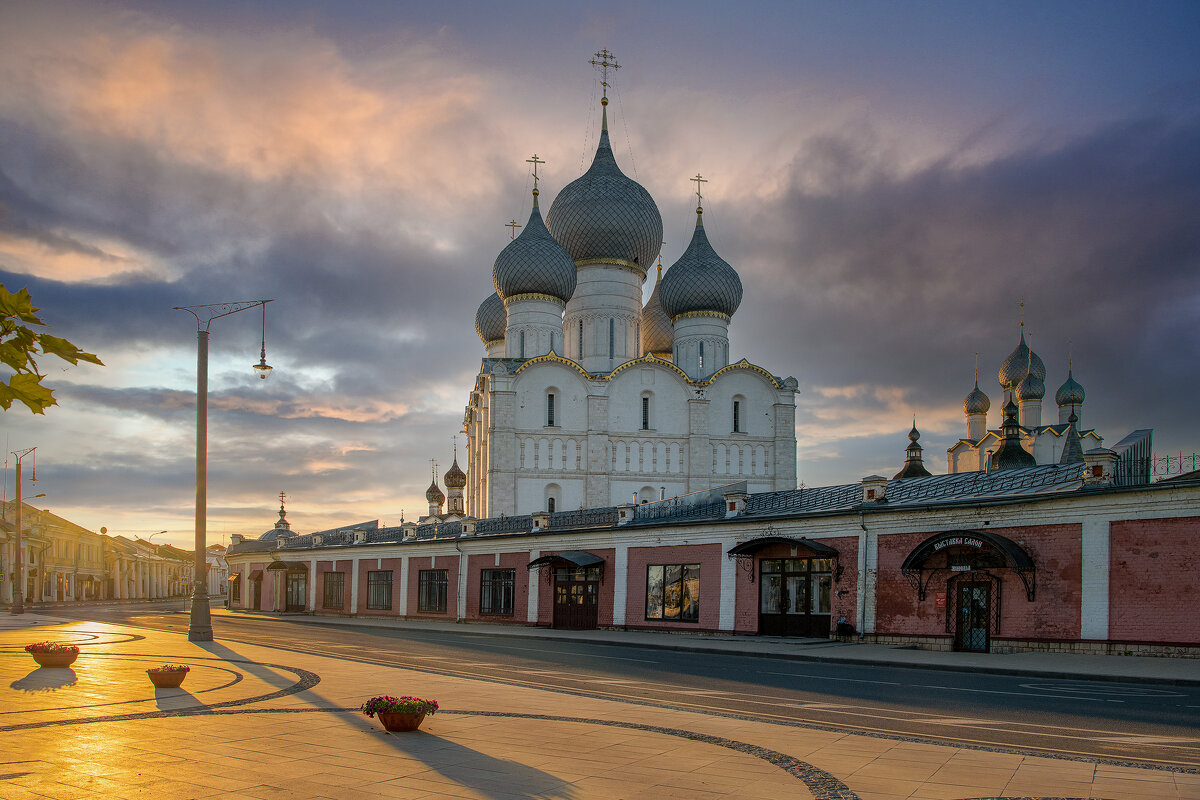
587 399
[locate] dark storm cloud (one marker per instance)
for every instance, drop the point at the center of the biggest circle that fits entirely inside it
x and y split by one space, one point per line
890 279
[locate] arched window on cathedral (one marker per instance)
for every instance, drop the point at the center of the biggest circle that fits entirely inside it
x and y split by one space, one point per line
646 412
737 414
522 344
550 504
612 336
580 353
701 357
550 409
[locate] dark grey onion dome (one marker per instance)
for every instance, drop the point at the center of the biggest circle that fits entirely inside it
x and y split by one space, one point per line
455 478
977 402
534 263
1031 387
491 320
605 215
914 466
1011 455
1070 393
657 334
701 280
1019 363
434 495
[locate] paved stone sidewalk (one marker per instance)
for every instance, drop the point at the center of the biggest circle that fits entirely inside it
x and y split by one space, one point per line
257 722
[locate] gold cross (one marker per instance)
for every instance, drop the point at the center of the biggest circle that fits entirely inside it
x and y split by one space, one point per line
535 161
698 181
282 497
514 225
607 60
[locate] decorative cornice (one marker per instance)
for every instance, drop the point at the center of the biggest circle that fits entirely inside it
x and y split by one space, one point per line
646 360
553 357
743 364
549 298
724 317
615 262
490 343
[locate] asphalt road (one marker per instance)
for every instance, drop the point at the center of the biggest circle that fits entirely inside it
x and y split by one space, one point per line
1094 719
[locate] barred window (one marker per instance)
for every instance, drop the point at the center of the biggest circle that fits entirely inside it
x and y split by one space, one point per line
379 590
335 590
431 590
737 416
496 591
611 336
550 410
579 355
673 592
645 413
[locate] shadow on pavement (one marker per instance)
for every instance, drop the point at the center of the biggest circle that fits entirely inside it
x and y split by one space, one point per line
483 774
175 699
45 679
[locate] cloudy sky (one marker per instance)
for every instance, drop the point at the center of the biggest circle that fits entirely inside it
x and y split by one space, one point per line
890 180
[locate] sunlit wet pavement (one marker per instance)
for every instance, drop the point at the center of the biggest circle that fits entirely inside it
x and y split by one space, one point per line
260 722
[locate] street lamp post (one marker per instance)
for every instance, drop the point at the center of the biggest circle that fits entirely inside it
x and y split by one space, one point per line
200 624
18 603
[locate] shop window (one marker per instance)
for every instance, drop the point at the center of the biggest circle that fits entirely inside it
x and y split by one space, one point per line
496 590
379 590
334 595
432 587
673 592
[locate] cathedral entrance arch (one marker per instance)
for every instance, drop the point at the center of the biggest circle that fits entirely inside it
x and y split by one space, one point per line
576 577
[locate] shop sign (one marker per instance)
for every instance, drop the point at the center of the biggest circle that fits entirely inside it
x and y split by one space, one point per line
965 541
939 600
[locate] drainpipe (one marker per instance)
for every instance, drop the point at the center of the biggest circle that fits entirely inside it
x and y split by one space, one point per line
862 574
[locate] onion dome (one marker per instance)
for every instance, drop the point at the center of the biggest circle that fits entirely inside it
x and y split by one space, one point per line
1031 387
657 333
455 478
1021 362
433 494
914 466
1070 393
491 320
701 280
533 263
605 215
1011 455
976 402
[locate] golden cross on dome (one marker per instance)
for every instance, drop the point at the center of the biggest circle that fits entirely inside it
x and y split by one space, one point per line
607 61
514 225
698 181
535 161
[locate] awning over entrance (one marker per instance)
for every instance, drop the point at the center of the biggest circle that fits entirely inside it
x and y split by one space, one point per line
576 558
752 546
289 566
971 550
256 575
233 577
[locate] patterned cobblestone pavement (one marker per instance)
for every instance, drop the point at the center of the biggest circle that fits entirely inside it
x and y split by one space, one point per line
256 722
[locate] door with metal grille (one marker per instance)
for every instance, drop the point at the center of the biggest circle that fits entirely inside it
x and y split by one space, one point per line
974 616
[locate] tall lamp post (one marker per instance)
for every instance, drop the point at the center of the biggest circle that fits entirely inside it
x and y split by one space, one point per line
200 624
18 603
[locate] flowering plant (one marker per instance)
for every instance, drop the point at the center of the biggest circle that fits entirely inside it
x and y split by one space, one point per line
398 705
171 668
51 647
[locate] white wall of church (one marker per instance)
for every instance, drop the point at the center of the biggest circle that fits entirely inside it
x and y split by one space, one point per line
756 404
666 392
569 388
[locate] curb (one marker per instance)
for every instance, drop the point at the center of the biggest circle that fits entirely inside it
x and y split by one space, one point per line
699 647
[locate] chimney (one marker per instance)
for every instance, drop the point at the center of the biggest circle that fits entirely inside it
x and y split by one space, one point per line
1100 467
874 489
